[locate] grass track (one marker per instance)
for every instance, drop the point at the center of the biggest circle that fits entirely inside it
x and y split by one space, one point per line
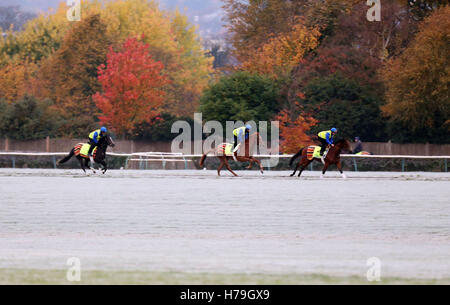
58 277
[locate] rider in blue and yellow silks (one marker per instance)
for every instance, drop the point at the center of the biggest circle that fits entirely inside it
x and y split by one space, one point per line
94 137
241 134
326 138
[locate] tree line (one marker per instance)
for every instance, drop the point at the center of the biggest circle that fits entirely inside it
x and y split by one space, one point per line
310 64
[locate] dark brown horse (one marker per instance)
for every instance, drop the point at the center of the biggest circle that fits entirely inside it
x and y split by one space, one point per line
332 157
243 155
99 154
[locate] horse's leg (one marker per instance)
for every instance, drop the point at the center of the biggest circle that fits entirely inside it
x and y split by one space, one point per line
86 162
105 167
222 163
304 165
325 167
229 168
339 166
296 168
250 165
261 169
81 163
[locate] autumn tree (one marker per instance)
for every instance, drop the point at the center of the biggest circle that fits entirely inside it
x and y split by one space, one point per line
418 80
252 23
281 54
171 39
132 85
69 77
16 80
294 132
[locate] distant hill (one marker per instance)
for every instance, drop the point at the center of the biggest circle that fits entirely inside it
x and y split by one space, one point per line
207 14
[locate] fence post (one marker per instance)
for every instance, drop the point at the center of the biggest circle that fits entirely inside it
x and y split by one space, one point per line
47 144
403 164
445 165
163 161
354 164
140 162
185 162
13 162
54 162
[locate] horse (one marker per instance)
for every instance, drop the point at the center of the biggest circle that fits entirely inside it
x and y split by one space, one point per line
332 157
246 156
99 154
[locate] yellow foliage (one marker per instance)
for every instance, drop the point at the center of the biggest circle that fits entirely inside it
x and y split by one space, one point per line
15 80
171 38
281 54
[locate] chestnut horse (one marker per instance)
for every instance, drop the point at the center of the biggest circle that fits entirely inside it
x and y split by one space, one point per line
332 157
241 156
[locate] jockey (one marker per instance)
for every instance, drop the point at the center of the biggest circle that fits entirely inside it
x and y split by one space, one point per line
326 138
94 137
240 134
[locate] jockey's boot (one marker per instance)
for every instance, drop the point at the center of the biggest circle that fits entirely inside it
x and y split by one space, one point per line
92 160
323 158
236 148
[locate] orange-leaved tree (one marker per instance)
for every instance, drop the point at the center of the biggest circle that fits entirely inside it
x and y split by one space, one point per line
293 132
281 54
132 83
418 80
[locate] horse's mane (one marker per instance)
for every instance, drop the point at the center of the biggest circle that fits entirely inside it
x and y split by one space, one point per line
341 141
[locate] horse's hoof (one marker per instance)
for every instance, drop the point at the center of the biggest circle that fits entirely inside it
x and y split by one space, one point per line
344 176
292 175
321 176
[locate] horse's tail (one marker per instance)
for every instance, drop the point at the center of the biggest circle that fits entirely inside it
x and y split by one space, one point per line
202 160
296 156
67 158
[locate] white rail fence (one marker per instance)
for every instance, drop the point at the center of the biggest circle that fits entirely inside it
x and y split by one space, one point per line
164 157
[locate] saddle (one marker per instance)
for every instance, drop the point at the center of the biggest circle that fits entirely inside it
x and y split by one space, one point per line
313 152
82 149
225 149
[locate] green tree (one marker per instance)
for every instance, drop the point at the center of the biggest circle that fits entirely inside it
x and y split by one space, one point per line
240 96
338 102
28 119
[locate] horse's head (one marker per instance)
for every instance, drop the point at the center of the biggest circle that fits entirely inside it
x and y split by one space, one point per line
343 144
104 142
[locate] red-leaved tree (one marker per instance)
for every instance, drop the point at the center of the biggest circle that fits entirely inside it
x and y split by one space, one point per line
293 132
132 87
